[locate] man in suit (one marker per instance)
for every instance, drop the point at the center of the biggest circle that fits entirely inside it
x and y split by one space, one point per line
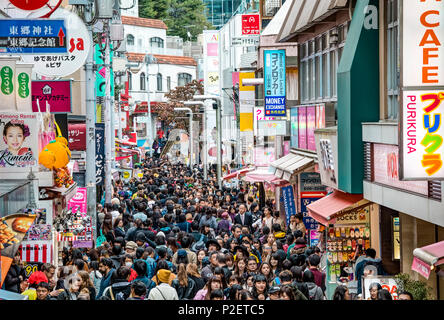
244 218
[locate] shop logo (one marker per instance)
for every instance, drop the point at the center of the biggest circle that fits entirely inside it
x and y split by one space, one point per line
23 85
7 86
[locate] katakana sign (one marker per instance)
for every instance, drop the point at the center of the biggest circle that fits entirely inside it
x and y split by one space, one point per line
251 24
33 36
275 83
100 153
56 92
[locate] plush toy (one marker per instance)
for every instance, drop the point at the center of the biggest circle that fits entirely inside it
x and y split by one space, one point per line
62 177
55 155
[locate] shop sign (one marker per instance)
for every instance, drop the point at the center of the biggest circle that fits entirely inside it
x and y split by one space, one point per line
311 184
100 153
387 283
126 175
19 146
275 83
422 135
259 114
245 41
251 24
289 202
78 202
101 74
294 130
315 237
34 36
30 268
272 128
29 5
354 216
36 251
421 267
309 222
264 156
327 152
78 44
385 170
56 92
77 136
421 47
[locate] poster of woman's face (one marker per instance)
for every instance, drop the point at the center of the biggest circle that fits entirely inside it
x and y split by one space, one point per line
19 141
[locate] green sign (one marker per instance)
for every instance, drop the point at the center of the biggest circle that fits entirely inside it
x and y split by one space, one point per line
7 82
23 85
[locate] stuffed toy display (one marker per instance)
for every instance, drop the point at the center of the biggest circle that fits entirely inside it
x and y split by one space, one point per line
55 154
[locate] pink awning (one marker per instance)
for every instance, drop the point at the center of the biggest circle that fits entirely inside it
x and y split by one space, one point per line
427 258
237 174
260 175
325 210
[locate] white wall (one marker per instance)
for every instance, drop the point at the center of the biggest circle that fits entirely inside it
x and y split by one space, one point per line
142 36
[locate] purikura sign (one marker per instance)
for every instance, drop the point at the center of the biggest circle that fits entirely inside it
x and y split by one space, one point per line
422 135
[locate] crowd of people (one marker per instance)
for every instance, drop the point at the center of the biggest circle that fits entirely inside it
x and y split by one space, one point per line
172 235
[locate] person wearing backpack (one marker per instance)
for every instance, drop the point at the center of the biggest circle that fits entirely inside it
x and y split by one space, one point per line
121 287
314 291
163 291
370 259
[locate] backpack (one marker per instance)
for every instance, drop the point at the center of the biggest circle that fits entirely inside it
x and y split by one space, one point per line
199 244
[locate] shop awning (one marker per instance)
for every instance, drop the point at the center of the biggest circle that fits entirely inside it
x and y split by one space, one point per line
427 258
292 163
327 209
237 174
261 174
68 193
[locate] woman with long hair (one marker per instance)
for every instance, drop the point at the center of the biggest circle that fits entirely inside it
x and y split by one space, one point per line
276 264
260 287
184 285
194 274
87 283
341 293
118 228
265 270
214 283
201 254
240 268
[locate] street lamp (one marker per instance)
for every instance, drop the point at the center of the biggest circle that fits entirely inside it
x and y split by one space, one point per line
190 112
204 121
219 133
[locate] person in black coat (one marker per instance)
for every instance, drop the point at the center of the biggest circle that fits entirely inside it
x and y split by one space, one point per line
119 231
184 285
244 218
14 276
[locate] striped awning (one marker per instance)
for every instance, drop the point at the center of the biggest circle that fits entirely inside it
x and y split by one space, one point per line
290 164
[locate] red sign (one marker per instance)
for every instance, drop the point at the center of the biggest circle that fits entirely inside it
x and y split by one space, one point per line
251 24
56 92
77 136
28 4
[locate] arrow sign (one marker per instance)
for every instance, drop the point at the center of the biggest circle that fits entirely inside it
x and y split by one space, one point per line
61 36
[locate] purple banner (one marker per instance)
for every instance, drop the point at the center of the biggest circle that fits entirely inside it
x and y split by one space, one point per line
56 92
82 244
311 126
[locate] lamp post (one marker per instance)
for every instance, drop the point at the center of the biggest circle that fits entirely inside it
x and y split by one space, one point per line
190 112
219 133
204 121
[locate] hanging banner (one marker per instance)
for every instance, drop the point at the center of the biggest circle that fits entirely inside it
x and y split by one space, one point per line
78 202
23 86
19 144
100 153
7 85
289 202
422 146
78 44
275 83
36 251
77 136
311 126
56 92
294 131
13 229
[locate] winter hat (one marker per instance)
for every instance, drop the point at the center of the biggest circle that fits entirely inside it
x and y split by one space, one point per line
163 275
131 245
115 201
160 233
181 253
37 277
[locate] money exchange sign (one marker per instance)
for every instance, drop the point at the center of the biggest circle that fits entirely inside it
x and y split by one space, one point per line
275 83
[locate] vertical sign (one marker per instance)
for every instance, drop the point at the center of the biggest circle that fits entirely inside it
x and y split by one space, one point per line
100 153
302 123
251 24
7 85
311 191
289 203
294 138
422 82
23 86
274 83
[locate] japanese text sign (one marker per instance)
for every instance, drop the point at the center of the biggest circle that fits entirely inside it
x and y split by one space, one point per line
275 83
56 92
77 136
422 135
289 203
100 153
251 24
32 36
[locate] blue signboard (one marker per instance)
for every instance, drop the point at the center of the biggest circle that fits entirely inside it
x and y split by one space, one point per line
309 222
289 203
33 36
100 153
275 83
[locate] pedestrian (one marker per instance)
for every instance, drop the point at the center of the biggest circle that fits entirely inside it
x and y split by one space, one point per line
163 291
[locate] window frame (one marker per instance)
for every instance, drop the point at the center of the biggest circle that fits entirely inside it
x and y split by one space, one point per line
180 77
392 63
156 40
142 79
133 40
159 84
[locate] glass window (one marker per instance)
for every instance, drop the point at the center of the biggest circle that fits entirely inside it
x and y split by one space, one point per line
392 59
130 81
183 79
130 40
318 76
156 42
142 81
159 82
324 75
333 75
168 83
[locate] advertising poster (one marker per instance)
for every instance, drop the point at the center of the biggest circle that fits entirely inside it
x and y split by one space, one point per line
320 116
289 202
311 126
387 283
77 136
126 175
302 129
23 86
311 191
36 251
78 202
19 143
314 237
264 156
275 83
56 92
13 229
7 85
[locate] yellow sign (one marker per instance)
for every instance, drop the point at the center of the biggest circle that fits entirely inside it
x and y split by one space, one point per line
140 175
246 75
246 122
126 174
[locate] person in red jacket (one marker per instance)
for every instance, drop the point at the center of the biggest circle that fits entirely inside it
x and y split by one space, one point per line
319 276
